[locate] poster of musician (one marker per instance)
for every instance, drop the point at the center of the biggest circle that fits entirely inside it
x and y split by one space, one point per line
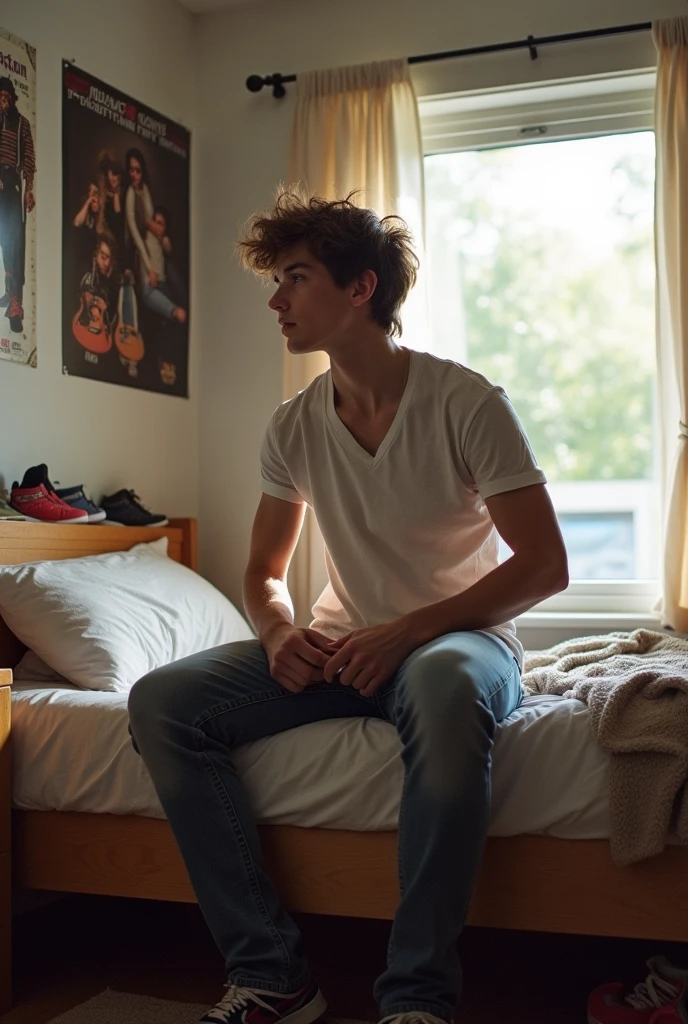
17 200
125 295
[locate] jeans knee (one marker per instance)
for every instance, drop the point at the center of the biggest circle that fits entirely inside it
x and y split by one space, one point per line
444 690
151 698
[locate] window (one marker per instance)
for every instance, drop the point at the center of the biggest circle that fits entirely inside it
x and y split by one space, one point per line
540 247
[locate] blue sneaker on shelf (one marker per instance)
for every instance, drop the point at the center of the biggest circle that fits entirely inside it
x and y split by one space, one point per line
76 497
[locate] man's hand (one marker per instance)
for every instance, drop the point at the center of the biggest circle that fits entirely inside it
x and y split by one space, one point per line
370 656
297 656
29 201
152 279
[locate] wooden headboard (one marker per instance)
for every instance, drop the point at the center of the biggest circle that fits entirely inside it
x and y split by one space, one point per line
34 542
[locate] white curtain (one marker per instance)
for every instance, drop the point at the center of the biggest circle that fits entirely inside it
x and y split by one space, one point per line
356 128
671 234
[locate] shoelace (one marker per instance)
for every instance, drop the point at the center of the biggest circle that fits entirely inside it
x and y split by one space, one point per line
233 1000
655 991
137 501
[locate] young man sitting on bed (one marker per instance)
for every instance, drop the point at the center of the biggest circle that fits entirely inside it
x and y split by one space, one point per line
414 466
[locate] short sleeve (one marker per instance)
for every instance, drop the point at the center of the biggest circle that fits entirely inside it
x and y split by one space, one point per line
275 479
496 449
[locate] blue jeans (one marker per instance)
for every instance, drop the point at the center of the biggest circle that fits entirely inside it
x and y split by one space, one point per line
157 300
444 701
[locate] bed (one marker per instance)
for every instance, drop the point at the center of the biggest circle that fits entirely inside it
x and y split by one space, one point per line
79 829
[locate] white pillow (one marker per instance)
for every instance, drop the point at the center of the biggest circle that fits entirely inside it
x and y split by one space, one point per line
33 669
104 621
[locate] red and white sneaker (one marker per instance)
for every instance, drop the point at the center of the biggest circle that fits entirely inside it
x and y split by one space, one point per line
38 505
660 999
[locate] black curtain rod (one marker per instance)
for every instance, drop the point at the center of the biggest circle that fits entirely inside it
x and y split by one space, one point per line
254 83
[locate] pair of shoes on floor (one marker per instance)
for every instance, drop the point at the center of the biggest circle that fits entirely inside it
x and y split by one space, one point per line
259 1006
661 999
37 500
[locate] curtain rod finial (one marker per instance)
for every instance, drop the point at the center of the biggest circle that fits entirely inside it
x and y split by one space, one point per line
254 83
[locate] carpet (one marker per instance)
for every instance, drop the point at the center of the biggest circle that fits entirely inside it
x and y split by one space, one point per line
112 1007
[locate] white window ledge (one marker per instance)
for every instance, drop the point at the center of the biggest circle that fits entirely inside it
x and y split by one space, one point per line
539 630
602 621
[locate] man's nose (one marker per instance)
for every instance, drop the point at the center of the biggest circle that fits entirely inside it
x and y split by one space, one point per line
277 301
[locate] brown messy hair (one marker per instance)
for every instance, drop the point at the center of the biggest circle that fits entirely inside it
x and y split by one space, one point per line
347 239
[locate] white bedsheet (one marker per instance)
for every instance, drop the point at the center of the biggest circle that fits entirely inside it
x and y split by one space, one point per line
71 751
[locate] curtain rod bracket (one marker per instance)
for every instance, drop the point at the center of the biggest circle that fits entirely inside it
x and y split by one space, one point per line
278 90
254 83
532 48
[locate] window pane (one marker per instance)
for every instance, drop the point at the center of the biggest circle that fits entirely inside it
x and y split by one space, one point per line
541 271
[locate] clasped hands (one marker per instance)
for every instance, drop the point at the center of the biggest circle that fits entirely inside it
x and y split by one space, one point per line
363 658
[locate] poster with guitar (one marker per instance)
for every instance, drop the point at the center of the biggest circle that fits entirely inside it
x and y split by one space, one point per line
125 239
17 200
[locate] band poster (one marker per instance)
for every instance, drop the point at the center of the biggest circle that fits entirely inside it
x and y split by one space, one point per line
17 200
125 241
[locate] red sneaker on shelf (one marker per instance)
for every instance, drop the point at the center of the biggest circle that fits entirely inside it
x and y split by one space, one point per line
37 501
660 999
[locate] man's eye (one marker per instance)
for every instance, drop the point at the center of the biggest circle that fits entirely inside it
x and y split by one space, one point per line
297 277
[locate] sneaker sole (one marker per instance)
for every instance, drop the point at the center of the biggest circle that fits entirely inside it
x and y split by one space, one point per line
309 1013
113 522
96 517
57 522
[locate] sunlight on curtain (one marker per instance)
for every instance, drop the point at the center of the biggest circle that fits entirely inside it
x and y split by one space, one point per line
671 225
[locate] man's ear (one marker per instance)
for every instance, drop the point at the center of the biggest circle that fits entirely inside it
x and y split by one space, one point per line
363 287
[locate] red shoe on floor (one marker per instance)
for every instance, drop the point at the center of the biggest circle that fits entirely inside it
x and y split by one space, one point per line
38 505
660 999
670 1015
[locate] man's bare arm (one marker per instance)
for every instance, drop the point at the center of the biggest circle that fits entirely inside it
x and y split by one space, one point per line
276 530
296 655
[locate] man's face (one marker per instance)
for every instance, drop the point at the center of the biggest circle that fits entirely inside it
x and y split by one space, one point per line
114 179
104 259
135 172
5 101
314 312
159 219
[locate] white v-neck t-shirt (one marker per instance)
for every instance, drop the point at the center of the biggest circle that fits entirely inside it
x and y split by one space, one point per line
408 526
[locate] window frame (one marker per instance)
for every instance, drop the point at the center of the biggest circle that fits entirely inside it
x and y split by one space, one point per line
582 107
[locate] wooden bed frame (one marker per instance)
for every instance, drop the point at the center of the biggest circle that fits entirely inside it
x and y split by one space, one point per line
525 882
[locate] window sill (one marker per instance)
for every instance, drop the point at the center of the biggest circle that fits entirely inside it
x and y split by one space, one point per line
604 622
538 631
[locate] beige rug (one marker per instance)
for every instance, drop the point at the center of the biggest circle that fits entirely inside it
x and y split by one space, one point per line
112 1007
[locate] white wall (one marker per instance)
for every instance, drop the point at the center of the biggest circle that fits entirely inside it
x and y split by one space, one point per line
244 138
103 435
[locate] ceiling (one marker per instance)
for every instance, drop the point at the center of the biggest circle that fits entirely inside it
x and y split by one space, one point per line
202 6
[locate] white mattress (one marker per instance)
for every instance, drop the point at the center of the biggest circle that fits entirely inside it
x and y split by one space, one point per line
71 751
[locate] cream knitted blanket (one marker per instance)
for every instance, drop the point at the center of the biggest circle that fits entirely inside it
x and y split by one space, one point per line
636 687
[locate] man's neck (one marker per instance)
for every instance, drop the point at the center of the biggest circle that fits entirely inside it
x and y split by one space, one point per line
370 376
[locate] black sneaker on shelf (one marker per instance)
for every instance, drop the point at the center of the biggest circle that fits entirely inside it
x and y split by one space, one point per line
124 508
